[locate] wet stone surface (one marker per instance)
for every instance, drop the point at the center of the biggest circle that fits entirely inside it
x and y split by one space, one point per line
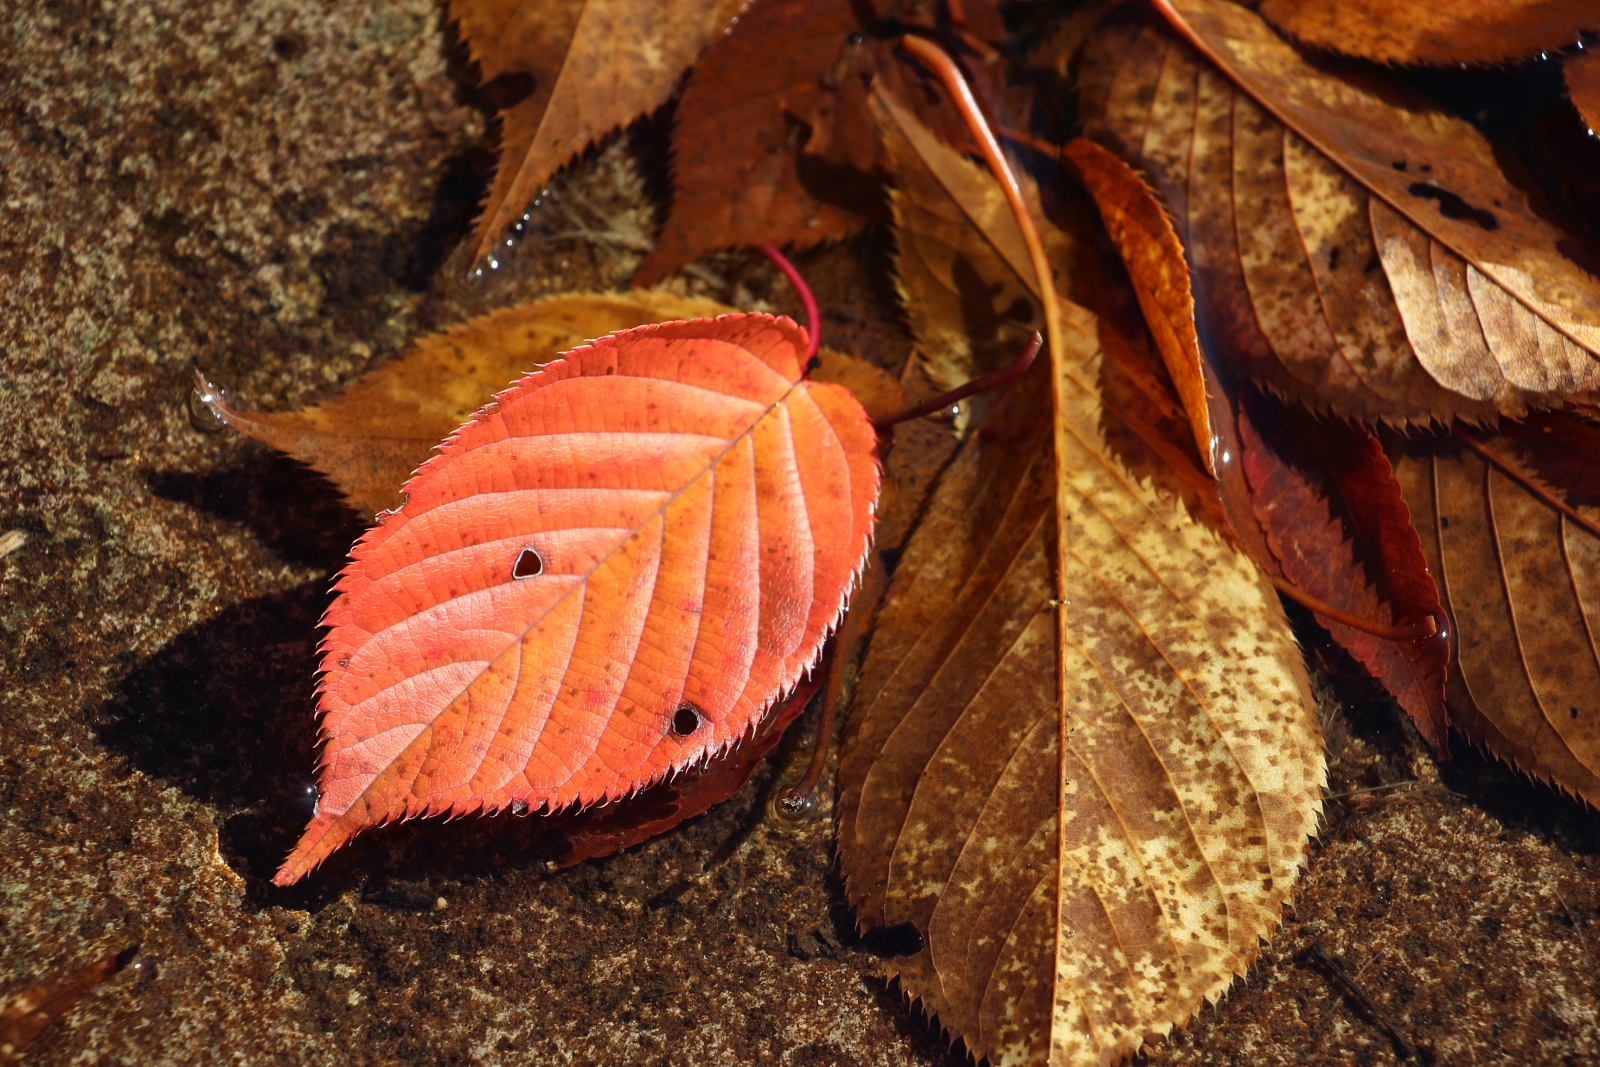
273 190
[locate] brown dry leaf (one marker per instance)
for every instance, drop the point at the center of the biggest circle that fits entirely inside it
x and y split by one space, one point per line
961 267
1156 265
1466 317
370 438
1431 31
1522 582
737 174
596 64
1072 906
1582 73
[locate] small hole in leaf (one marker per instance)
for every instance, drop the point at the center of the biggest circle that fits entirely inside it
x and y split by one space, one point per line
529 563
686 720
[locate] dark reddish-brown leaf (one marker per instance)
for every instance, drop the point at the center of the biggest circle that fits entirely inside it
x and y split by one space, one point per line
1339 528
737 168
595 832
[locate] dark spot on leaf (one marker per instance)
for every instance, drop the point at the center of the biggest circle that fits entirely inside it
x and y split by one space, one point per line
901 939
686 720
1399 165
1452 206
529 563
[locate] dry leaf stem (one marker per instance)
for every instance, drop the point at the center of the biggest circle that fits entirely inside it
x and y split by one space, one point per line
961 95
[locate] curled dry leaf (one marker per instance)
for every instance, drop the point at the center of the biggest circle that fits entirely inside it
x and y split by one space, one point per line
1521 579
1427 31
374 435
595 64
1154 258
1072 904
1582 74
610 573
1478 308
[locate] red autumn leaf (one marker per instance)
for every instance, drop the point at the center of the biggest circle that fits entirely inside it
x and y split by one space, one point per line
607 575
1333 514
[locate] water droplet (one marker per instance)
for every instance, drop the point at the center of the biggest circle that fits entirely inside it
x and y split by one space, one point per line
790 807
519 807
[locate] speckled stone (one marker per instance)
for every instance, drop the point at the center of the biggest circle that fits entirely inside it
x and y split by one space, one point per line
274 189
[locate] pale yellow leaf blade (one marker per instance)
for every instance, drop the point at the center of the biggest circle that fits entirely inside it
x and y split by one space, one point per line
1075 899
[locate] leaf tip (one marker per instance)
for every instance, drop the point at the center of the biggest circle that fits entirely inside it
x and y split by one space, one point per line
322 837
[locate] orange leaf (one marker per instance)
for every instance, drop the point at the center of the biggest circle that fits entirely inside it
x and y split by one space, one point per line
607 575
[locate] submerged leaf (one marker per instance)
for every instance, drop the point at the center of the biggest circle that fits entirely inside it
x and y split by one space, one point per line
1478 307
610 573
961 266
1339 528
1071 904
26 1016
1428 31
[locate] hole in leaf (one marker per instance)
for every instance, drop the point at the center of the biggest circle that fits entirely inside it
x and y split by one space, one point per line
686 720
529 563
901 939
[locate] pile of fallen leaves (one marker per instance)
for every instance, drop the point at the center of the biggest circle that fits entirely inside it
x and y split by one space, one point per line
1308 333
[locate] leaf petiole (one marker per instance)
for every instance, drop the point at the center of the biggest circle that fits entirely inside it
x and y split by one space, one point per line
993 380
796 279
1433 626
